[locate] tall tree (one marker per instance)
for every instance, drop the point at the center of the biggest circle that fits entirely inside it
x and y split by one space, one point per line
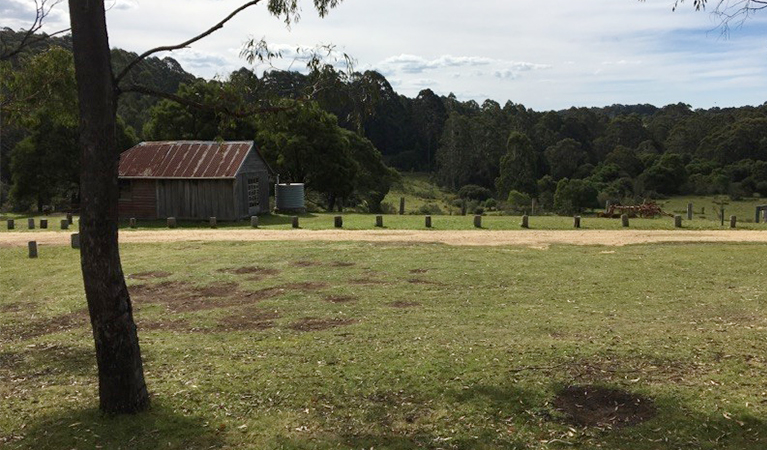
122 388
518 166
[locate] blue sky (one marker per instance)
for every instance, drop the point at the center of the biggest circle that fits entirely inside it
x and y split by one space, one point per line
545 55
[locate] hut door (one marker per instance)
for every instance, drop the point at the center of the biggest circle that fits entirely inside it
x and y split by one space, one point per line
253 203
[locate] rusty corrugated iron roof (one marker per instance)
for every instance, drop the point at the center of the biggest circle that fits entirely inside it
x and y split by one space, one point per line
184 159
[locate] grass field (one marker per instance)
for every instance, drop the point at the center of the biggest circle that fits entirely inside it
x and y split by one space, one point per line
390 346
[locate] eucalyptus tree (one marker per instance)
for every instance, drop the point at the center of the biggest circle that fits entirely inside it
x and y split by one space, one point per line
122 388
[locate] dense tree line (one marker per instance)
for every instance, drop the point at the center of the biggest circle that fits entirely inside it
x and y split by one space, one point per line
334 131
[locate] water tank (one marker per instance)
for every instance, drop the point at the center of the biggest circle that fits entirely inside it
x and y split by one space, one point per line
289 197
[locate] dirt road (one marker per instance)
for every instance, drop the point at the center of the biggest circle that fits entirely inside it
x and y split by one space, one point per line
527 238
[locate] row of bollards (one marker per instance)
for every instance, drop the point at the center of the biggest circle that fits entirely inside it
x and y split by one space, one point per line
11 224
74 241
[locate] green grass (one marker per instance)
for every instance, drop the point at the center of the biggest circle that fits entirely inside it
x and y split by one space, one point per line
705 208
482 341
419 191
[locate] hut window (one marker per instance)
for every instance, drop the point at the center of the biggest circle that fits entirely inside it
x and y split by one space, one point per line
125 189
253 192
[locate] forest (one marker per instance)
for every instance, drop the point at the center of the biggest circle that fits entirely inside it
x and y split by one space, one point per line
348 135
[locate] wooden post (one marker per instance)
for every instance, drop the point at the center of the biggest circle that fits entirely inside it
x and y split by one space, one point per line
525 221
31 224
379 221
213 222
733 221
11 224
338 221
463 207
607 206
172 222
678 221
427 221
689 211
295 221
401 206
74 240
132 222
757 215
254 221
764 217
32 249
70 219
721 215
478 221
576 221
625 220
64 224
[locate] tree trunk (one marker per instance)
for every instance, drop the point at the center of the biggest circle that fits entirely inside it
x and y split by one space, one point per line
121 376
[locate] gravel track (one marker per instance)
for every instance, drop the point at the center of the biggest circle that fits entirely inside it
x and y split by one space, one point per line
527 238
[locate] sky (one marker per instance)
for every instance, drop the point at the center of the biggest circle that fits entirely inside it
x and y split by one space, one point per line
543 54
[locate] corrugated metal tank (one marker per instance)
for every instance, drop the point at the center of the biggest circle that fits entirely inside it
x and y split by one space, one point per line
289 197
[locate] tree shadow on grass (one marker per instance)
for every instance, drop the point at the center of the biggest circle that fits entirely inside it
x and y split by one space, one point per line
675 425
47 360
89 428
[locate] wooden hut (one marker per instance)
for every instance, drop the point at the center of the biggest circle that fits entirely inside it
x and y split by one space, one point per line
193 180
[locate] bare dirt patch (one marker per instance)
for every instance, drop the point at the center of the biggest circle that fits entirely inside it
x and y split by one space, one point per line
149 275
404 304
43 327
422 281
250 270
223 289
366 281
342 264
340 299
180 297
595 406
316 324
306 264
18 307
184 297
249 319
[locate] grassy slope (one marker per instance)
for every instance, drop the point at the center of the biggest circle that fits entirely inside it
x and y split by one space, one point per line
418 191
473 362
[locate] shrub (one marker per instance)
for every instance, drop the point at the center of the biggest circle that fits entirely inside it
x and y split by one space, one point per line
429 209
574 196
474 192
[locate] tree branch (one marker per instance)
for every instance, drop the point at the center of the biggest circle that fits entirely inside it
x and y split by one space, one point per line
184 44
223 109
42 10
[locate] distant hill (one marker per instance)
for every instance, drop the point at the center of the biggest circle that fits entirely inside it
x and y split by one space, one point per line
161 74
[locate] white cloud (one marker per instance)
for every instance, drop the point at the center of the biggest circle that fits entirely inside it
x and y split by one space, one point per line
588 52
